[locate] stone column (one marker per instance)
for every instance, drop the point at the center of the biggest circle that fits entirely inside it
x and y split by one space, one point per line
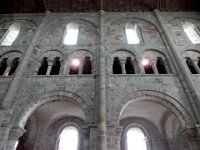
7 71
196 66
19 73
14 135
118 132
183 75
153 65
50 65
191 138
101 116
140 66
123 66
80 69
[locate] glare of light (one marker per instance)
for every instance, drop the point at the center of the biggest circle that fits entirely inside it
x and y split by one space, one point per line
191 32
16 144
136 140
71 36
145 61
68 139
75 62
131 34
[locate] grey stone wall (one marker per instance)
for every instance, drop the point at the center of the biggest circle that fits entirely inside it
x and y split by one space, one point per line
34 91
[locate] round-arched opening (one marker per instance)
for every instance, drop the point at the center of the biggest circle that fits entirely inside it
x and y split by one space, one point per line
135 139
52 125
68 138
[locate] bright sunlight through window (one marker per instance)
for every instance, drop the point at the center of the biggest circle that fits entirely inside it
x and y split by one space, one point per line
11 34
68 139
71 34
132 34
192 32
136 139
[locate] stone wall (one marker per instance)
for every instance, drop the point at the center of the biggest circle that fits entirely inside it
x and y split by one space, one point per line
24 93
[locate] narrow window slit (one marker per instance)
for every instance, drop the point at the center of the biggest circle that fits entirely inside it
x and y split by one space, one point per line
129 66
87 66
44 66
117 66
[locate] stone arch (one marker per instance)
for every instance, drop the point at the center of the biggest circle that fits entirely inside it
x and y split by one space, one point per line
116 31
55 128
158 97
191 59
81 55
87 32
180 20
44 97
150 131
158 61
193 53
11 54
155 51
123 55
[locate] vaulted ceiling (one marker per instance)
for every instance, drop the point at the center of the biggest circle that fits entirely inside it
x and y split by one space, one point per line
29 6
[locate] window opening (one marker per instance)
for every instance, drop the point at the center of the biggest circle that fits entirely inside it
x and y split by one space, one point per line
71 34
56 67
192 32
160 66
132 34
44 66
74 68
11 34
146 62
3 66
129 66
69 139
136 139
117 66
190 65
87 66
14 66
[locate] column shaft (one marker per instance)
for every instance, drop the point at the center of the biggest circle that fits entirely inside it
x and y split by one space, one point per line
183 75
102 137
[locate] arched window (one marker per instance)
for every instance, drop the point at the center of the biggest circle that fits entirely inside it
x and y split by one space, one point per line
160 66
87 66
56 67
190 65
117 66
129 66
71 34
132 33
44 66
192 32
3 66
135 139
69 139
11 34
